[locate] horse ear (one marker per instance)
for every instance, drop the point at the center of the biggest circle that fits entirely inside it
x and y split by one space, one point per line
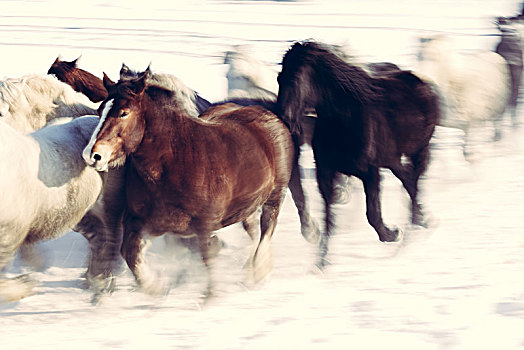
108 83
124 71
75 61
140 84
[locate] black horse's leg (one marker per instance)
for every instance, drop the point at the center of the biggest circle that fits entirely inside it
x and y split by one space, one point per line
309 226
371 182
325 180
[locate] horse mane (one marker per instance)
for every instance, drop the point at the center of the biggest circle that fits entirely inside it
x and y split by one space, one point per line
332 68
169 85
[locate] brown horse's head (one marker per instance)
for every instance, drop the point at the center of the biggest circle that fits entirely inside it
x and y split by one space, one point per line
121 125
61 69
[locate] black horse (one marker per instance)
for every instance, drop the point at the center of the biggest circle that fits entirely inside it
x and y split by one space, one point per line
510 48
364 123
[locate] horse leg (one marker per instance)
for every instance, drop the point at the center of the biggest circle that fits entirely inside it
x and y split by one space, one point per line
104 252
21 286
309 227
325 180
371 182
262 262
134 248
409 175
342 190
250 225
203 242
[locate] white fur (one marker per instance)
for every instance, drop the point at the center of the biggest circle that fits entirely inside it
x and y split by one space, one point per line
30 102
474 86
45 184
249 77
87 152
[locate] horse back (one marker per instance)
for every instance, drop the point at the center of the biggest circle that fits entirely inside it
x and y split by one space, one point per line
224 167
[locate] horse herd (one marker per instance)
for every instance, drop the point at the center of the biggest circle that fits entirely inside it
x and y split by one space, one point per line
124 162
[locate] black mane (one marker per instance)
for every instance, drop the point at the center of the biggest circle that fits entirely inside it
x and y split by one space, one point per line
332 70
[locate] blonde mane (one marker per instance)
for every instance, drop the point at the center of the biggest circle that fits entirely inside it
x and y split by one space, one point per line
30 102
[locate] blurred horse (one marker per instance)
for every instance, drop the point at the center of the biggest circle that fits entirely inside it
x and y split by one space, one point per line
79 79
475 86
510 47
364 123
191 176
32 101
48 190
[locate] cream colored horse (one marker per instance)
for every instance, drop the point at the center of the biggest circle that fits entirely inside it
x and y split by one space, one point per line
475 87
32 101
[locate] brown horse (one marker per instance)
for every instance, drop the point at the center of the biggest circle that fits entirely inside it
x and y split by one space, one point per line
191 176
79 79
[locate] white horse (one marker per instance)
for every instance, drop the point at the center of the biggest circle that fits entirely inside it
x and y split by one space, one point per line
475 87
32 101
47 190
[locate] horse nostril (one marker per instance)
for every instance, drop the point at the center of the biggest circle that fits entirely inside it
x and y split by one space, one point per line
97 157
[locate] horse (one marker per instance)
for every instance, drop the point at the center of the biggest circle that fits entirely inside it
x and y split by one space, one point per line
191 176
79 79
364 123
32 101
48 190
510 47
475 86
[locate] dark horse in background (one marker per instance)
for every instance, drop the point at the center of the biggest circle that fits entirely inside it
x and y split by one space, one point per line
191 176
364 123
79 79
510 47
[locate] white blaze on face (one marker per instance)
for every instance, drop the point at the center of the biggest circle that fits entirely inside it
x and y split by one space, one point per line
89 148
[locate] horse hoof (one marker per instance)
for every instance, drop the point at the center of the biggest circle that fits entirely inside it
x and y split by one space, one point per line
391 236
17 288
341 195
319 267
311 232
425 221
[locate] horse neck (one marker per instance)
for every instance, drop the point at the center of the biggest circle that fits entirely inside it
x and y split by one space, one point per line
161 117
341 85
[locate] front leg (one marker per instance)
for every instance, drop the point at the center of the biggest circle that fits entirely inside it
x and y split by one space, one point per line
371 182
134 248
325 180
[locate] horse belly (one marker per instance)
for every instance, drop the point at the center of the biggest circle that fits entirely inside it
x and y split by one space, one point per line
64 206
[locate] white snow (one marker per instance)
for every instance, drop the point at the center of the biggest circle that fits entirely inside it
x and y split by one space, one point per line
458 286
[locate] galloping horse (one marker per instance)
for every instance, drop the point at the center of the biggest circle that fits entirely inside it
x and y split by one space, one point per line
79 79
48 190
32 101
363 123
191 176
474 86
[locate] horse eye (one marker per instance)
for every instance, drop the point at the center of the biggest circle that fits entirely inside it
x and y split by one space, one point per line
124 114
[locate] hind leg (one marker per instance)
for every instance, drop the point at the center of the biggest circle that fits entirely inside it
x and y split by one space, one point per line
262 262
409 175
371 182
308 225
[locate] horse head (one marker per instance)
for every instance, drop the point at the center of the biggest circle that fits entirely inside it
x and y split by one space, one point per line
294 88
121 125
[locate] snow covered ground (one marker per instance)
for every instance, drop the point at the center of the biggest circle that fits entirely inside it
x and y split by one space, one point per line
458 286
